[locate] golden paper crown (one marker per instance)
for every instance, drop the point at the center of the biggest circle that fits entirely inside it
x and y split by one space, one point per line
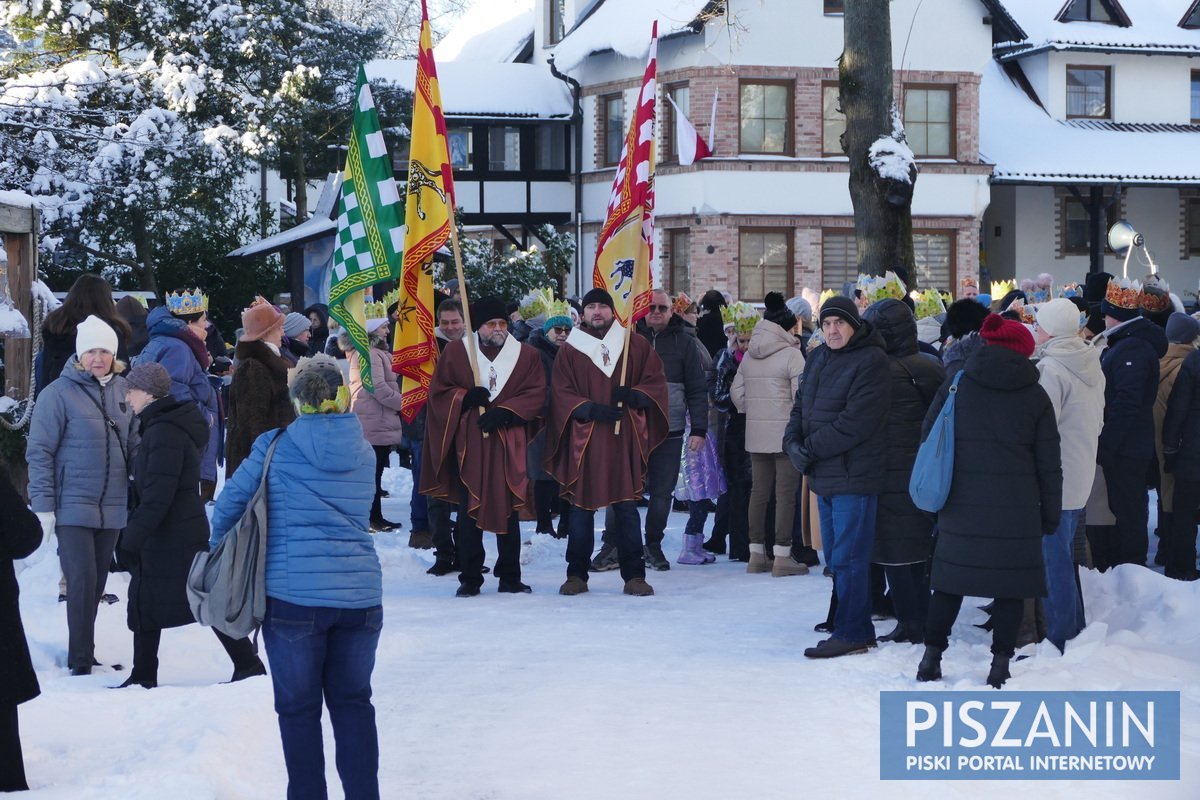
558 314
877 288
825 295
742 316
1001 288
1070 290
375 310
192 302
1124 293
927 303
391 297
534 303
968 282
1156 297
683 304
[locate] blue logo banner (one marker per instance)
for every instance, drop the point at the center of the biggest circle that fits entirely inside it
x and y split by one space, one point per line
1029 735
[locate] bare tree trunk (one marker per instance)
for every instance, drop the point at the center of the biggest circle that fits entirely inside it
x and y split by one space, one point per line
141 249
882 206
301 186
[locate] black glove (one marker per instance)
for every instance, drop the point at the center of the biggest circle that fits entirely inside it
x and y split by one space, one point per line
630 397
602 413
1169 459
124 560
477 397
802 459
498 417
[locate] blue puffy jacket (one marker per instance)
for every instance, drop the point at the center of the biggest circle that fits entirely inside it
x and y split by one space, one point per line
320 484
189 380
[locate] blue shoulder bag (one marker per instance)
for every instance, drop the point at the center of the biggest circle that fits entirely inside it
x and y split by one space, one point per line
933 471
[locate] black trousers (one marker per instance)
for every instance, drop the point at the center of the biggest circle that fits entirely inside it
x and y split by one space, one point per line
1129 502
469 544
441 529
910 593
1181 555
626 535
145 653
545 501
12 762
1006 619
383 454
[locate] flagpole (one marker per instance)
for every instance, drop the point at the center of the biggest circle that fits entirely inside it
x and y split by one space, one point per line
472 355
624 366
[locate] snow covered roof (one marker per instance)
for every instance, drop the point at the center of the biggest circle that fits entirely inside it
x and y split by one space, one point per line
1154 28
1028 146
487 89
491 30
623 26
321 223
10 197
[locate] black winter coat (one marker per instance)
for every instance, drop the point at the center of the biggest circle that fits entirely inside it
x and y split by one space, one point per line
840 414
685 366
1181 425
20 535
903 532
1130 364
734 457
168 525
1007 489
710 330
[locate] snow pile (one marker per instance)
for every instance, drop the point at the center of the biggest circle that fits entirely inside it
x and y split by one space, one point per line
492 30
41 291
1009 121
541 689
624 26
12 321
486 89
1153 23
890 156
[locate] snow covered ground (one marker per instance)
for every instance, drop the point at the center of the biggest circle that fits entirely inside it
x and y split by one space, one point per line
699 692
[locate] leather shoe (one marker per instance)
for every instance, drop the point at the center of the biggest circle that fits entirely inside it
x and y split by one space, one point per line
467 591
833 648
149 683
514 587
252 671
442 566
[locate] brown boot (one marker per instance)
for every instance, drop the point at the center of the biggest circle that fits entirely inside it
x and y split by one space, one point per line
758 559
785 565
638 587
573 586
420 540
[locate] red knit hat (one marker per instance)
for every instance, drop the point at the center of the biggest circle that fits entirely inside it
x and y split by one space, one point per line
1007 333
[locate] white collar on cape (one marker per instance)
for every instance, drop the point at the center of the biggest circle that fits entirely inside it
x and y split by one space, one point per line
604 353
495 374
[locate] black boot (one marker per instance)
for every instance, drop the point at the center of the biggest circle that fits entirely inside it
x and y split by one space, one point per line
827 625
897 634
715 545
930 668
999 672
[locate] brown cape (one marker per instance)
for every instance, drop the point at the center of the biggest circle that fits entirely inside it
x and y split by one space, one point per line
594 467
455 453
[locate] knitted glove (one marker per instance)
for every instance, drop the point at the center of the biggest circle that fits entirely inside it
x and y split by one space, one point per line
497 417
477 397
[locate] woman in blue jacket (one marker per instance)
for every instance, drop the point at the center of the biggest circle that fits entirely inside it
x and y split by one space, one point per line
323 580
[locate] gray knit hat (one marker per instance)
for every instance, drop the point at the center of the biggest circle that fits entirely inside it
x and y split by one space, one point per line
151 377
315 380
1182 329
295 324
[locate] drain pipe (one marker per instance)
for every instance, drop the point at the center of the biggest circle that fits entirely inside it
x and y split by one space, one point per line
577 120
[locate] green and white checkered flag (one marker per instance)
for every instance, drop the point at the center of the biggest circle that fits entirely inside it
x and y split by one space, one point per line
370 224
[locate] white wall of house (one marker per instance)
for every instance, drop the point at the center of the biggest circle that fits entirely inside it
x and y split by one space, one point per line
1144 89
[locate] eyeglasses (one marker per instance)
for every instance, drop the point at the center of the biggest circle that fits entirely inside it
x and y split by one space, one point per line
659 308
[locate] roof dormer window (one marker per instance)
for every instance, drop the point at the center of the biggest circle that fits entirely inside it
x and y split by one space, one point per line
1106 11
1191 19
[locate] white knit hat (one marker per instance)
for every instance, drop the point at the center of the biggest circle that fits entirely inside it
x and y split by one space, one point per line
1059 317
94 334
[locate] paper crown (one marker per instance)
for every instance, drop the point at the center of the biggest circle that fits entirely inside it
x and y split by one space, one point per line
877 288
375 310
1071 290
742 316
1038 290
1156 295
534 303
1001 288
683 304
927 303
968 283
825 295
192 302
558 314
391 297
1124 293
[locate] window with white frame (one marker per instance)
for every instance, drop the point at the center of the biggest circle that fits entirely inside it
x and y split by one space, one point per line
765 117
933 259
929 120
764 262
504 149
833 121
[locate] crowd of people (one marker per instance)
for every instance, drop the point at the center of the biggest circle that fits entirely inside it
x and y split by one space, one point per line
795 425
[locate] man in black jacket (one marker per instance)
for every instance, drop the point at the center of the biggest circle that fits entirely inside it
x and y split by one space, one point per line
1181 456
1130 364
835 437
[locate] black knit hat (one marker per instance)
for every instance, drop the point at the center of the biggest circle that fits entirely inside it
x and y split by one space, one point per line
777 311
486 309
963 317
1095 285
841 307
598 295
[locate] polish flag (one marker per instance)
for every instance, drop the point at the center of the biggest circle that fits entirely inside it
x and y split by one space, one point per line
690 146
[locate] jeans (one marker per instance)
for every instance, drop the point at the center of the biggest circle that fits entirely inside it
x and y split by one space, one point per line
84 554
662 473
847 536
625 533
320 652
418 504
1063 615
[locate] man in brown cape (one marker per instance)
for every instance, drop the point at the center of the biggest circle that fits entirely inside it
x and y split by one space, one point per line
594 465
485 475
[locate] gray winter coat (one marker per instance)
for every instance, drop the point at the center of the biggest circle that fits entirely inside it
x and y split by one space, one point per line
685 363
78 464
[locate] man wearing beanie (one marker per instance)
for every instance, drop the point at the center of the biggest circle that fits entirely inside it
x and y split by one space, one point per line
258 394
297 330
685 366
477 432
1182 331
595 465
1069 371
1130 363
178 330
835 437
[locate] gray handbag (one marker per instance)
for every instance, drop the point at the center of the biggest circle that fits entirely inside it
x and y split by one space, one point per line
226 588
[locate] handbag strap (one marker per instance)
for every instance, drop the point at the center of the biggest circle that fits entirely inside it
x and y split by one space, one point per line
262 483
109 422
948 406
